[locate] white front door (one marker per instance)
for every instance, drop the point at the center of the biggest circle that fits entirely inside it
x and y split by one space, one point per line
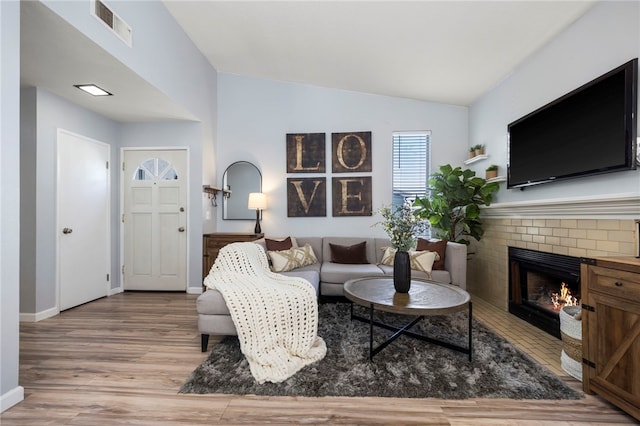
155 211
83 225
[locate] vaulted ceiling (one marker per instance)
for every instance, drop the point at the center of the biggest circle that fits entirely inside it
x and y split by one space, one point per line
443 51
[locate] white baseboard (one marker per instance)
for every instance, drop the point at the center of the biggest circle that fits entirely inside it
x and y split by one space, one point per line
11 398
39 316
194 290
115 291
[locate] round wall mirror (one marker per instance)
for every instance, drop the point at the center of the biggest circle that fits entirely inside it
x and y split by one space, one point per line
240 178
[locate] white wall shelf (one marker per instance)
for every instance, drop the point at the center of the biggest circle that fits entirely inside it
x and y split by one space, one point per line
476 158
498 179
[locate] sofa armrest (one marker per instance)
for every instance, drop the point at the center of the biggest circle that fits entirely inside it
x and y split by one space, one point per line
455 261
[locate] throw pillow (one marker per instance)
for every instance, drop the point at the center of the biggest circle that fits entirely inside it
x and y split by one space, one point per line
438 246
295 257
420 260
388 256
350 255
279 244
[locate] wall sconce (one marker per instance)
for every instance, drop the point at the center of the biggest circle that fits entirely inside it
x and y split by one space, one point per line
257 201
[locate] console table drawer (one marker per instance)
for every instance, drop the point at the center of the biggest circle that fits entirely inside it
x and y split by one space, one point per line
616 283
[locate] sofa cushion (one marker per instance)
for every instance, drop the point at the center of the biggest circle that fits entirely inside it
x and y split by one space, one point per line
314 242
295 257
312 275
211 301
340 272
438 246
349 255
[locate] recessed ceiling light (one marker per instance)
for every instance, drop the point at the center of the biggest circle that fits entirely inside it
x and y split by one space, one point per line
92 89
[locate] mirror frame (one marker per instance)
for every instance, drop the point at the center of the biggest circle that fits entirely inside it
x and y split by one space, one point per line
241 194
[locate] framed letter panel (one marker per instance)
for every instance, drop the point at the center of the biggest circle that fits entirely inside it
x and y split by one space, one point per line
351 196
351 152
306 153
306 197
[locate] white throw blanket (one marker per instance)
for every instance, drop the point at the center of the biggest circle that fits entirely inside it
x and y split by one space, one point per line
276 316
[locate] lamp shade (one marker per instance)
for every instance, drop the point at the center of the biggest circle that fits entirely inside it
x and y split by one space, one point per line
257 201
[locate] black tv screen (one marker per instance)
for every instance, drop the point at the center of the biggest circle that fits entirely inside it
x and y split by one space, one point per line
588 131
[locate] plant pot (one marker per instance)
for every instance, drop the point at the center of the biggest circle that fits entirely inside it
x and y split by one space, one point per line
401 272
479 151
491 174
472 154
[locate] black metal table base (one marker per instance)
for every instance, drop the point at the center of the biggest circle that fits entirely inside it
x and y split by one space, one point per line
405 331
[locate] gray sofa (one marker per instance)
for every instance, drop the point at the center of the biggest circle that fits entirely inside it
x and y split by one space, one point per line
328 278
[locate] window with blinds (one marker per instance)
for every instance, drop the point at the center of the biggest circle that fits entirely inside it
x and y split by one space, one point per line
411 166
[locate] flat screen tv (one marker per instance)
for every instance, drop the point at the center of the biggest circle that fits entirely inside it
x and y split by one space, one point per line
589 131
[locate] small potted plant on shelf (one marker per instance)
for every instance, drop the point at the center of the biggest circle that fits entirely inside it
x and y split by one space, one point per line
472 151
478 149
491 172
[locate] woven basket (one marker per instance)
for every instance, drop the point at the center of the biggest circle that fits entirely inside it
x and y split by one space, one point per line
571 331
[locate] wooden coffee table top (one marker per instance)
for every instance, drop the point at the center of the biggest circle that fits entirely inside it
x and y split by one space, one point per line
424 298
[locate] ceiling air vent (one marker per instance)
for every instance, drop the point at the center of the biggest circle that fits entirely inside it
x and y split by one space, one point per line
113 21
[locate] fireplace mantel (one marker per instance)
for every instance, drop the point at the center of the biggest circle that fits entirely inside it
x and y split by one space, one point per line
619 206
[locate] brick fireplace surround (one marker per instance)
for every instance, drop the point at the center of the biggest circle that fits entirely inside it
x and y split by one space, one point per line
581 228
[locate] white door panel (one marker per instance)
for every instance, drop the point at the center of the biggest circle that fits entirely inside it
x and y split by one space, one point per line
155 188
83 194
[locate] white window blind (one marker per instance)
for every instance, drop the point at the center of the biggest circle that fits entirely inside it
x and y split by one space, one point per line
411 166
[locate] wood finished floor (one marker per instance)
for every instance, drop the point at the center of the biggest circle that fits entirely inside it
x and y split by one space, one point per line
121 360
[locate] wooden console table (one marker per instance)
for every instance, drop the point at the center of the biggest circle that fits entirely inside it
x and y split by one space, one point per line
611 330
212 243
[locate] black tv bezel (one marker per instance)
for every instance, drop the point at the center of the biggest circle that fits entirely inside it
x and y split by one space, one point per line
630 70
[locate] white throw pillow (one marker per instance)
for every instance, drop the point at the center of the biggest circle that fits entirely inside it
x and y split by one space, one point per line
295 257
423 260
420 260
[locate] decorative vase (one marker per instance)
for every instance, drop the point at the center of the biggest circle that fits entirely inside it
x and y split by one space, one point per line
401 272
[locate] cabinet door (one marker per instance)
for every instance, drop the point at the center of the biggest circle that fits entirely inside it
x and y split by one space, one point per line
614 348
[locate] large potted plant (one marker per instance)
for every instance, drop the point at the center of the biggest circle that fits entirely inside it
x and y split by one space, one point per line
453 207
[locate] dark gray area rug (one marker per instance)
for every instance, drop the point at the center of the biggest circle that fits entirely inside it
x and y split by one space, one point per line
408 368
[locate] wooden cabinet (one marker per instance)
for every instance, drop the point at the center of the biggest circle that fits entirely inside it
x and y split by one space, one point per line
212 243
611 330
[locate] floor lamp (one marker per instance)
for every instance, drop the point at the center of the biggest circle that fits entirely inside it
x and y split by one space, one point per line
257 201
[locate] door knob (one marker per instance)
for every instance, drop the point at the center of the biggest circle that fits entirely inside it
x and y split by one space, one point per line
181 229
67 230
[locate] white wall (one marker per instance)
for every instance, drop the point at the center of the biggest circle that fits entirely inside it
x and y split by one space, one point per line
607 36
165 57
48 112
10 391
256 114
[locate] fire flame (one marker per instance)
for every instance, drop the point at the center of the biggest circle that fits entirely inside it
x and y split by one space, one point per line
564 298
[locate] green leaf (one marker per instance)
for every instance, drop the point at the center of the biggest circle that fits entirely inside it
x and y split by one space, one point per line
454 207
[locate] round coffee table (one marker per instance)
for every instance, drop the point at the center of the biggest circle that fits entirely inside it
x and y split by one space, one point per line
424 298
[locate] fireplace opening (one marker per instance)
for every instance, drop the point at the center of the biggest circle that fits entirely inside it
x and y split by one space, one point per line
540 285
